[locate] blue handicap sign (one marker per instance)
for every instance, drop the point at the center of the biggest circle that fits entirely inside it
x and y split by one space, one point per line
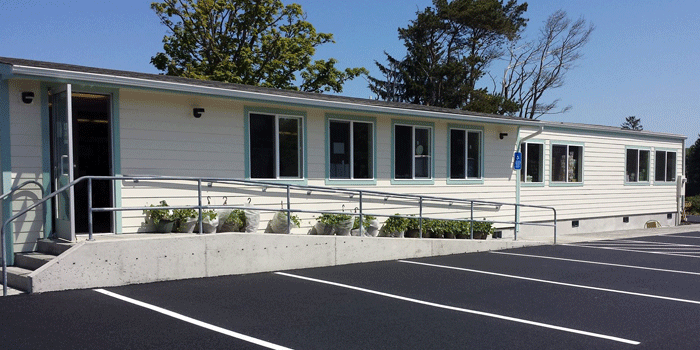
518 162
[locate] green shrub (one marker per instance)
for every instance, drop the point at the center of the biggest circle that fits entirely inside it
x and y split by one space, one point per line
156 215
236 219
334 220
694 205
395 224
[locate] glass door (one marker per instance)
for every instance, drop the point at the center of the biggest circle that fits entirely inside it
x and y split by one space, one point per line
62 162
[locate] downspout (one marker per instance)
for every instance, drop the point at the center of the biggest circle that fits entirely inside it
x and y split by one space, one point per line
517 177
680 200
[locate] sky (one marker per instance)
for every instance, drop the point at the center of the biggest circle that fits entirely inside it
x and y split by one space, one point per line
642 58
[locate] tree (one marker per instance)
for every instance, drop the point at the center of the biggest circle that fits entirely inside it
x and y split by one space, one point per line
263 43
539 66
692 169
632 123
448 48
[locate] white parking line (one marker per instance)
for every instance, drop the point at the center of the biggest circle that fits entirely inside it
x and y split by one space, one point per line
632 250
469 311
555 282
193 321
599 263
658 243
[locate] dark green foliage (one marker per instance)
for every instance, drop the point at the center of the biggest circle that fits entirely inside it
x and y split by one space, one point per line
365 222
632 123
395 224
694 205
692 169
448 47
262 43
236 220
334 220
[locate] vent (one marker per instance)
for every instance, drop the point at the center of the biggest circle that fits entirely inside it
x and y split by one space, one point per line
669 216
625 219
574 223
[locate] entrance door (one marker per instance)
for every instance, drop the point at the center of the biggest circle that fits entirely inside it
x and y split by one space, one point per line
81 146
62 162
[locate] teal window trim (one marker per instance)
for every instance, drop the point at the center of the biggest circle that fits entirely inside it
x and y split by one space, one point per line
568 144
638 183
351 118
675 166
413 123
542 166
466 181
277 112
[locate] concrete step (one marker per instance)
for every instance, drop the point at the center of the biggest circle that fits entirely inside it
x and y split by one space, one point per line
32 260
52 246
18 278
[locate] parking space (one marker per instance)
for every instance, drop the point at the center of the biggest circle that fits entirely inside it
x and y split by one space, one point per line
628 293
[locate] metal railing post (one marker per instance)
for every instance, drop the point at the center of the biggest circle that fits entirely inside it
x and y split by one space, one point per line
420 216
4 260
289 212
515 230
361 218
555 226
89 203
471 223
199 198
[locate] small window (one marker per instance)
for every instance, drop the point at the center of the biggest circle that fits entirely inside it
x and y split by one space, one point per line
465 154
637 166
275 146
665 170
567 163
351 149
412 152
533 154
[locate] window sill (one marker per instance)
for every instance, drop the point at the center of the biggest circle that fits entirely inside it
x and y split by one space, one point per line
531 184
351 182
465 181
642 183
300 182
565 184
664 183
412 181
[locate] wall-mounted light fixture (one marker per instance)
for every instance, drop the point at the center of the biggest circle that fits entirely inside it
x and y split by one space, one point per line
197 112
27 97
502 135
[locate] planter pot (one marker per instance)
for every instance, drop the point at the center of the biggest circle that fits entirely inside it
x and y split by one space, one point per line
449 235
480 235
165 226
412 233
321 229
192 225
344 228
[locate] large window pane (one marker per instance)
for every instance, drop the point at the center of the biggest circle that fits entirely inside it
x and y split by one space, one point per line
644 166
660 168
473 151
457 153
290 150
262 146
574 166
632 165
558 163
339 150
362 151
532 162
671 166
403 152
422 152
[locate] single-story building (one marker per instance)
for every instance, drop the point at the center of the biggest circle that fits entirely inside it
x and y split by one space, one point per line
59 122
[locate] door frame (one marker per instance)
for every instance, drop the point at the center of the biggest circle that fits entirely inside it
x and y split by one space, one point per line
114 144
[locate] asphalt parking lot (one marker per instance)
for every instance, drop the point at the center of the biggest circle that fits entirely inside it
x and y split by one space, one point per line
636 293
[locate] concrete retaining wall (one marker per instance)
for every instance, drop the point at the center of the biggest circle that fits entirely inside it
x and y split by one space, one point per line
137 259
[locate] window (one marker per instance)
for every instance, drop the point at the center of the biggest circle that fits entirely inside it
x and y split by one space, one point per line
532 168
637 165
566 163
665 166
465 154
275 146
351 149
412 153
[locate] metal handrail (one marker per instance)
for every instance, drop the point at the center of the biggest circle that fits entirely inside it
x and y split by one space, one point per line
265 185
2 230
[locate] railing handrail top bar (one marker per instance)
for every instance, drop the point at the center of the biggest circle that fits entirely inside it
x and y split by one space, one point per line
20 186
307 187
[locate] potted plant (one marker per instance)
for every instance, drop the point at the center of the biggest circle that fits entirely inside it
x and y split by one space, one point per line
234 222
394 226
278 224
461 229
162 218
188 219
482 229
370 226
338 224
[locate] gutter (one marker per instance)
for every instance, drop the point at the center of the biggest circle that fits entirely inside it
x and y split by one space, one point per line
517 179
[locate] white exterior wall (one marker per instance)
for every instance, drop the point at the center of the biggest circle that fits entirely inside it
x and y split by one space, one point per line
603 193
26 162
159 136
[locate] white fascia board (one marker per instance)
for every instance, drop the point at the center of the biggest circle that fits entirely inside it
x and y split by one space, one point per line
611 130
39 72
